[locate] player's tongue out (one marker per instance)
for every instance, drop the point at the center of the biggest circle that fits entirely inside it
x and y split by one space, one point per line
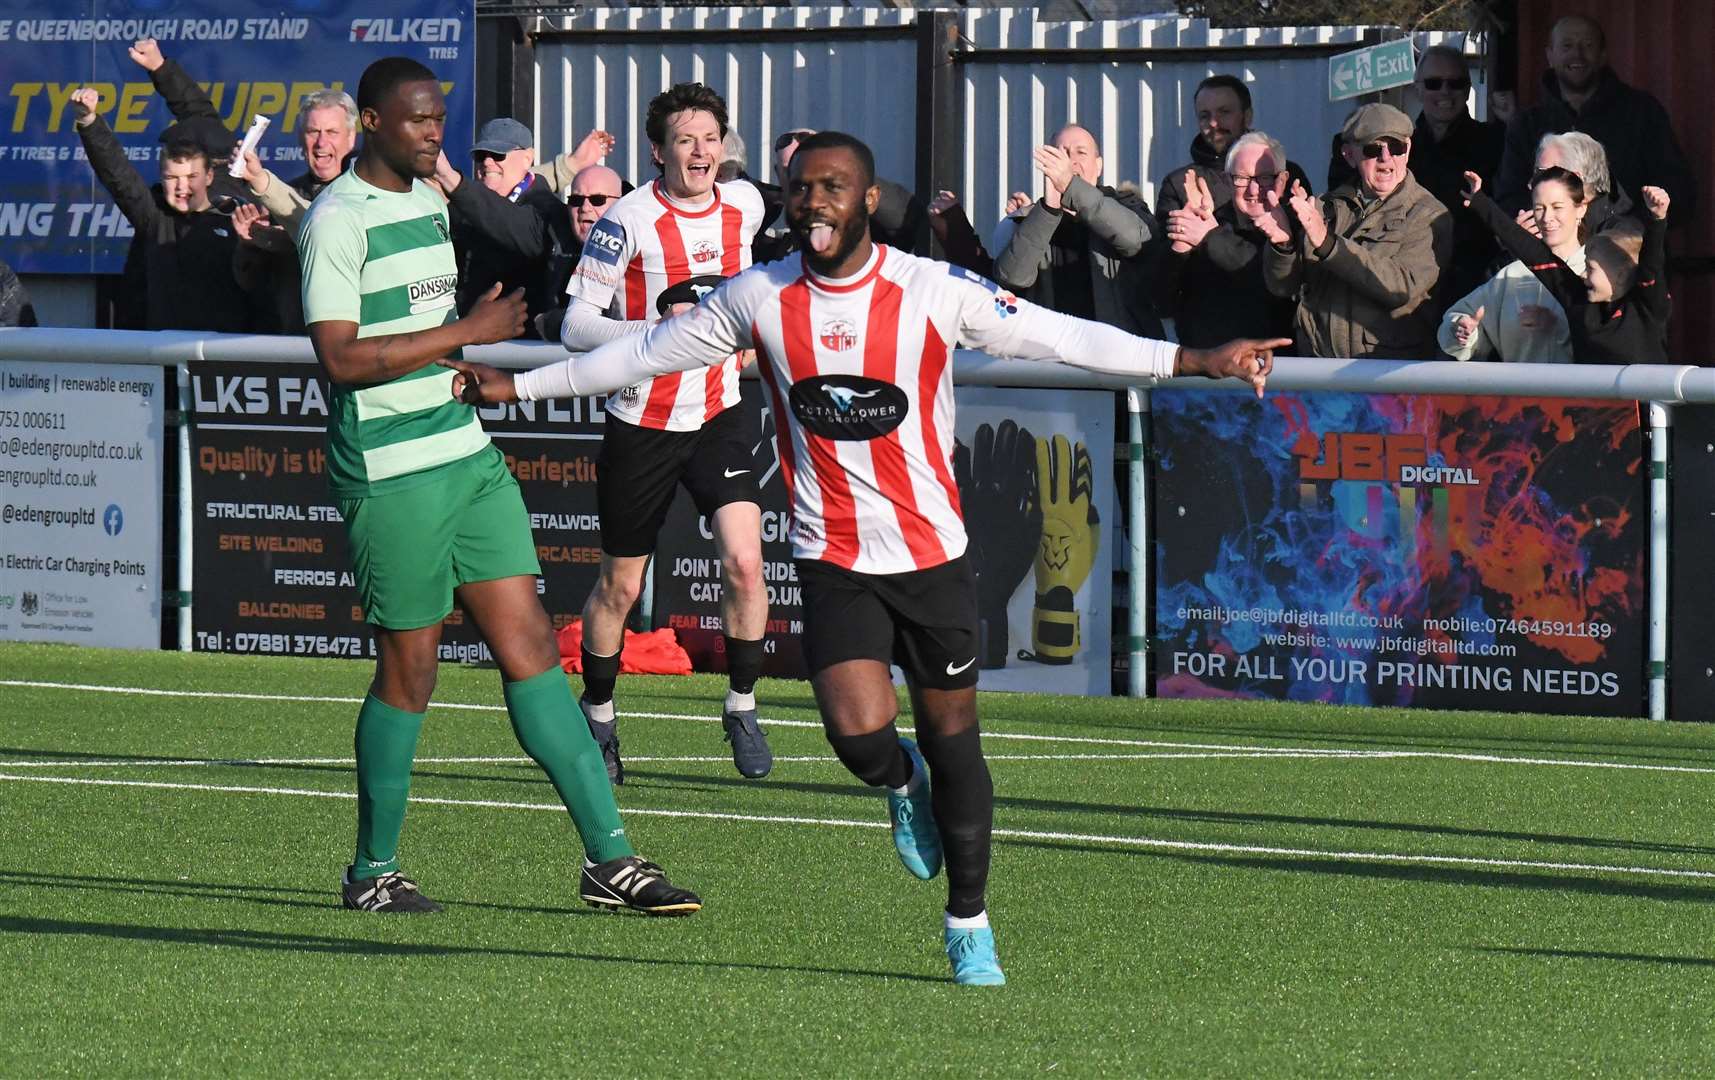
821 237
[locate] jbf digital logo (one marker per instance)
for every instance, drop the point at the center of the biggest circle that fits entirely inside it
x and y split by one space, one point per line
113 519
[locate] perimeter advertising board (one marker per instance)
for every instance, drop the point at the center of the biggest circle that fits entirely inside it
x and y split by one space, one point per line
80 504
252 58
272 570
1028 466
1453 552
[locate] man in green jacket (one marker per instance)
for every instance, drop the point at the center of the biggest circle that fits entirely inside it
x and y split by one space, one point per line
1363 261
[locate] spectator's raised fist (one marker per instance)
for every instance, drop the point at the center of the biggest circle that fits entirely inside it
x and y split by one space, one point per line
1527 221
1017 201
85 101
943 202
254 174
1465 326
147 53
1656 200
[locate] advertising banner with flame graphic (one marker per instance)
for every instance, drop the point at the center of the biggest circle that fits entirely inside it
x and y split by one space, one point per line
1375 549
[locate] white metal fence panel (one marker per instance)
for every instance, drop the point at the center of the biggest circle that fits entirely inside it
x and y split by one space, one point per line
862 84
1140 111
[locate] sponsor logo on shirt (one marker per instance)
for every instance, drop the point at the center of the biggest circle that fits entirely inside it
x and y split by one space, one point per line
849 408
703 251
606 242
839 334
973 277
1005 304
432 293
689 291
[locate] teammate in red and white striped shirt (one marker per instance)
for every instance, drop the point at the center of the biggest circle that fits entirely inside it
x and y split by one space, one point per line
854 341
660 249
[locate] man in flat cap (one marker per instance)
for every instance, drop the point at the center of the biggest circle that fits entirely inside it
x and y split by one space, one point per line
1364 260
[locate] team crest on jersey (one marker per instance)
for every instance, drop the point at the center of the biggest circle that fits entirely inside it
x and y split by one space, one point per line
839 334
441 228
703 251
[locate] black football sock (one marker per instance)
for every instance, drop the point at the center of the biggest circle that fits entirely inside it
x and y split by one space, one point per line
744 667
600 675
877 758
962 794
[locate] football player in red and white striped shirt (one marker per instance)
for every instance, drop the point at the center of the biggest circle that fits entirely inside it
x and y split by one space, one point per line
659 249
855 341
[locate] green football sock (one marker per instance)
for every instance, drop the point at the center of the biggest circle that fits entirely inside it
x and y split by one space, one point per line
553 733
386 742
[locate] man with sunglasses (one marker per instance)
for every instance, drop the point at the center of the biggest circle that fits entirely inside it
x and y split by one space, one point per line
1365 261
507 225
1447 143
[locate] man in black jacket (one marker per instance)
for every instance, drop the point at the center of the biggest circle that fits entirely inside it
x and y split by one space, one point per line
1580 92
509 225
1446 144
184 245
1211 280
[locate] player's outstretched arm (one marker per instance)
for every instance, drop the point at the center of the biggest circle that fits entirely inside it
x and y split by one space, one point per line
350 359
701 337
1021 330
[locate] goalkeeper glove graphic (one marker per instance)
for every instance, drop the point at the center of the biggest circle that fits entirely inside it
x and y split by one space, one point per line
997 492
1067 551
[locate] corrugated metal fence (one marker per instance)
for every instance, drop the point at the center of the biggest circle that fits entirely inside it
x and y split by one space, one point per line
1015 80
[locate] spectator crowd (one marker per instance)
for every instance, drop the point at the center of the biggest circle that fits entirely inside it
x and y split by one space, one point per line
1540 238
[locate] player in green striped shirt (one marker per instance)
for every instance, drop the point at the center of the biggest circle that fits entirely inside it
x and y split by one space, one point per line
430 509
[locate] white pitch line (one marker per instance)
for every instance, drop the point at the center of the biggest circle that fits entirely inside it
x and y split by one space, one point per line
1235 749
1022 834
810 759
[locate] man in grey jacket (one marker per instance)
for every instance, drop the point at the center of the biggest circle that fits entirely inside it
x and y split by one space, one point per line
1363 261
1083 249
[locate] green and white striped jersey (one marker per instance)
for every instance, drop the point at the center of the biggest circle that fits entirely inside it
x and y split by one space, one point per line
384 260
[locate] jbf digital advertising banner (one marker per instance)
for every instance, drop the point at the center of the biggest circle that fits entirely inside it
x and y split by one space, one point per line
273 574
1028 465
251 58
1448 552
80 504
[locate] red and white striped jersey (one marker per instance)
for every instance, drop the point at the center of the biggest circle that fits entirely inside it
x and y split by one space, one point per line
641 247
859 377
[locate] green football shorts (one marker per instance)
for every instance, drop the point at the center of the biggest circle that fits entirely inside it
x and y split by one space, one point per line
410 549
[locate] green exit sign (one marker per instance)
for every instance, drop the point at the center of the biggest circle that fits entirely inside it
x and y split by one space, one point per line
1372 68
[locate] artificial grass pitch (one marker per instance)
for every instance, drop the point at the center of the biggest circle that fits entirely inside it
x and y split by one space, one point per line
1219 888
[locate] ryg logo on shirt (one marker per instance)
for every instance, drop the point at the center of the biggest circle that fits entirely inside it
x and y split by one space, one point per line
606 242
849 408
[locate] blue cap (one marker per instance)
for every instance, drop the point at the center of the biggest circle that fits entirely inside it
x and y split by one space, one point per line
502 135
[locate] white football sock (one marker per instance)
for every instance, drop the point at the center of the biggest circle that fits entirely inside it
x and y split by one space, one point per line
601 714
737 702
979 921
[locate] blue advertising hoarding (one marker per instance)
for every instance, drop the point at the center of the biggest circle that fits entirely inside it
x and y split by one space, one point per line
252 58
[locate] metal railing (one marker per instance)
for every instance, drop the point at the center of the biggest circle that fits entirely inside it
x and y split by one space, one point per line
1661 386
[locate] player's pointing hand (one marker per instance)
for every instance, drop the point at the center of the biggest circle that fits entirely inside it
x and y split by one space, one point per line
480 384
1250 359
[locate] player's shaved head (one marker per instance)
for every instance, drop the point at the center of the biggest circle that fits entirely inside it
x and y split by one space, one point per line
832 140
386 75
